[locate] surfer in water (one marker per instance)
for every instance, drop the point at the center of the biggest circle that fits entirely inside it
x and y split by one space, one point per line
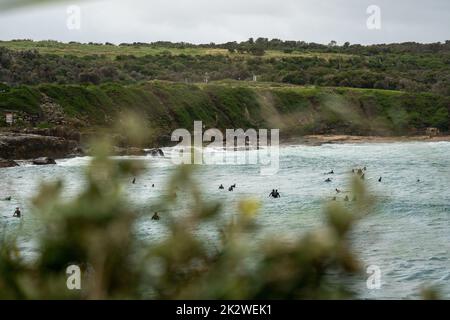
17 213
155 216
221 187
275 194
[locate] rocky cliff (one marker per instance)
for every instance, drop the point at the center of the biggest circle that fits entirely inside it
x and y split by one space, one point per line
29 146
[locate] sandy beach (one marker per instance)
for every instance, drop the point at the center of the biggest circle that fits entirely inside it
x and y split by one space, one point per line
336 139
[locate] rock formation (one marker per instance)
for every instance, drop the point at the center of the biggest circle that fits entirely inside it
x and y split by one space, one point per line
7 163
15 146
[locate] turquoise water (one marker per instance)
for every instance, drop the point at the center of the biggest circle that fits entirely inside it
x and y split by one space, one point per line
407 236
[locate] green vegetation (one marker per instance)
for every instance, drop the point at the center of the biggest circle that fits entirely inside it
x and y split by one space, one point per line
236 104
407 67
139 50
353 89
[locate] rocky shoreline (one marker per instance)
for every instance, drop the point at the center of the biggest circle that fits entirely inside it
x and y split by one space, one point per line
317 140
22 146
4 163
42 146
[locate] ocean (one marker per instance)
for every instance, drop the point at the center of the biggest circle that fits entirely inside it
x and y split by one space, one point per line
407 235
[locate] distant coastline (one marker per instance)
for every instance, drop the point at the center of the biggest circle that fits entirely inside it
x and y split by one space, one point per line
321 139
14 146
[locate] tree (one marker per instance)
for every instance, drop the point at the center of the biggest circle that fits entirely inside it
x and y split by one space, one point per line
257 51
89 77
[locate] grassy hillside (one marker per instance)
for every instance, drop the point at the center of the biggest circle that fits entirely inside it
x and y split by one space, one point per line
237 104
112 51
405 67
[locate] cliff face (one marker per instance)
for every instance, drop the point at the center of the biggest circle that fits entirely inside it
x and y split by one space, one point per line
29 146
166 106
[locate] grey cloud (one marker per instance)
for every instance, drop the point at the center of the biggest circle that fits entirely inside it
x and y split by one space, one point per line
203 21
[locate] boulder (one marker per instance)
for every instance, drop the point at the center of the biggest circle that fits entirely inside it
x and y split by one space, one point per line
131 151
76 152
164 140
43 161
156 152
58 131
7 163
30 146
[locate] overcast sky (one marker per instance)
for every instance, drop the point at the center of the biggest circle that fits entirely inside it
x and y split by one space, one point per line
203 21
